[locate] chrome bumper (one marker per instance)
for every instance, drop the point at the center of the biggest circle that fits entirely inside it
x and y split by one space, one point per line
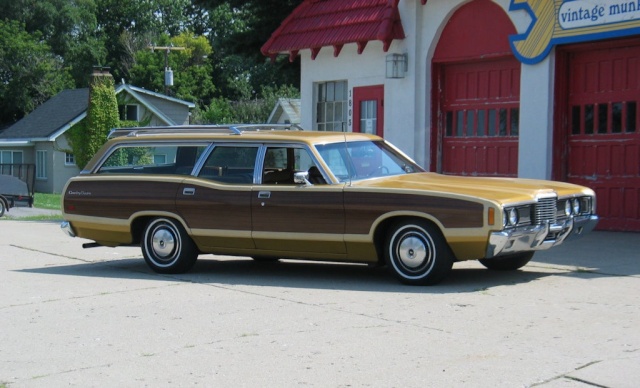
67 229
538 237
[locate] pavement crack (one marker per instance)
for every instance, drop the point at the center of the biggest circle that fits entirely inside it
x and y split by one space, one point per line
566 376
50 253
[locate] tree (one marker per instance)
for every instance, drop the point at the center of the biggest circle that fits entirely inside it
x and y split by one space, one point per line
143 18
224 111
68 27
29 72
239 29
191 68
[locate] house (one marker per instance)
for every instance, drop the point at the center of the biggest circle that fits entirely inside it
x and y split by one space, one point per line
39 138
544 89
286 111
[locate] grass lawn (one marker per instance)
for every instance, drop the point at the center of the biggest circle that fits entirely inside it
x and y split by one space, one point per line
47 201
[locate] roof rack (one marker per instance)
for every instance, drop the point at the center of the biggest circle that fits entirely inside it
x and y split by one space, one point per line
233 129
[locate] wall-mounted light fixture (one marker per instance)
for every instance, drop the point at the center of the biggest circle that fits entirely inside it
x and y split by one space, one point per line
397 65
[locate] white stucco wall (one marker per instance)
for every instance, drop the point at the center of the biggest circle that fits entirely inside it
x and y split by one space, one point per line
63 172
408 102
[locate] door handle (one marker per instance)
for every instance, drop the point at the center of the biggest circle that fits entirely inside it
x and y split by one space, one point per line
264 194
188 191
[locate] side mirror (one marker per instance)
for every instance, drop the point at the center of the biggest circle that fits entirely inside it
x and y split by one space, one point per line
301 178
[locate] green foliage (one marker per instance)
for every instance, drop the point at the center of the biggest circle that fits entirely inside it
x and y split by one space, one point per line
223 111
239 29
87 137
29 73
50 45
192 70
69 28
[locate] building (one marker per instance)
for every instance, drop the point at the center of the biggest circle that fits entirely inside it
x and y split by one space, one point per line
544 89
39 138
286 111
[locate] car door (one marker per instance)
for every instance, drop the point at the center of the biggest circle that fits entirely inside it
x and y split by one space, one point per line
290 217
216 205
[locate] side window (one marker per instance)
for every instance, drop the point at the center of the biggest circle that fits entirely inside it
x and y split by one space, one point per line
280 163
334 157
152 159
230 164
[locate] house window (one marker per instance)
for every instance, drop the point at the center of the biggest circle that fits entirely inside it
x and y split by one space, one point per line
69 159
7 159
159 159
331 106
41 164
128 112
11 157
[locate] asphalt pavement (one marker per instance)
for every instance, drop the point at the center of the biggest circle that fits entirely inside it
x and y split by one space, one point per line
100 318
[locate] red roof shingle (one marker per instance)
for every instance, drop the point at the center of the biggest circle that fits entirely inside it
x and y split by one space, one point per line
321 23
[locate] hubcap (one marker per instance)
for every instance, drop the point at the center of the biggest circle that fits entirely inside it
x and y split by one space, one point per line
163 242
412 252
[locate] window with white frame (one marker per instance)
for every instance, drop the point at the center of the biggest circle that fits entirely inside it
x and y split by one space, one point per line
8 159
41 164
69 159
128 112
11 157
331 106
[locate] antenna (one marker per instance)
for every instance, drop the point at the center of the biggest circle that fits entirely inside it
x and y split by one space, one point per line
168 73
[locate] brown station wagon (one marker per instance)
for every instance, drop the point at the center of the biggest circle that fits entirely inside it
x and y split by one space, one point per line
253 191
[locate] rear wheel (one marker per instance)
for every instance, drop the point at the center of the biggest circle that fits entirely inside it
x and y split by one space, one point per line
167 248
508 263
3 207
417 254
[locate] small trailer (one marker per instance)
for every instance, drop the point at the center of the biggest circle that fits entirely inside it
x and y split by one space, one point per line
16 186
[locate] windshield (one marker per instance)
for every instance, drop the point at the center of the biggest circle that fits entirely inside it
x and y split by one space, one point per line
365 159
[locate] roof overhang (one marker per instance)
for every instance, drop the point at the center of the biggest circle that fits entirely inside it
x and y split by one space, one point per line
315 24
16 143
67 126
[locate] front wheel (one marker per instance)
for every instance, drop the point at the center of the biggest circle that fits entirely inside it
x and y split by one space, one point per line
417 254
508 263
167 248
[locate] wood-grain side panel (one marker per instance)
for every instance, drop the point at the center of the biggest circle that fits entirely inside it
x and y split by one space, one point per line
299 211
211 208
362 209
119 199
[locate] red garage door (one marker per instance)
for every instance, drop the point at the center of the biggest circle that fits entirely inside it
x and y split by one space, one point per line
476 94
481 114
604 130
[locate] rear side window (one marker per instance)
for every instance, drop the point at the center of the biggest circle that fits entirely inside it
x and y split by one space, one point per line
152 159
230 164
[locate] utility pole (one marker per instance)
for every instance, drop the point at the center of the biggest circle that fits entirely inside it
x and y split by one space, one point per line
168 73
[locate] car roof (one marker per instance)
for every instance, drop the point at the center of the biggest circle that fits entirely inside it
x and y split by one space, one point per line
240 133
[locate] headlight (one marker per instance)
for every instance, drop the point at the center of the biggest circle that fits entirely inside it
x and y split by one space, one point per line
513 216
575 203
567 207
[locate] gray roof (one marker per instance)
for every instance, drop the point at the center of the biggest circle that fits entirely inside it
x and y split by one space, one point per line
288 106
66 108
50 117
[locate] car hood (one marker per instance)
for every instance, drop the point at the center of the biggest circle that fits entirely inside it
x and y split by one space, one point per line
501 190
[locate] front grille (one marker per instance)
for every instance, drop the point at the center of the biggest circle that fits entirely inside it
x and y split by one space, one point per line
546 210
